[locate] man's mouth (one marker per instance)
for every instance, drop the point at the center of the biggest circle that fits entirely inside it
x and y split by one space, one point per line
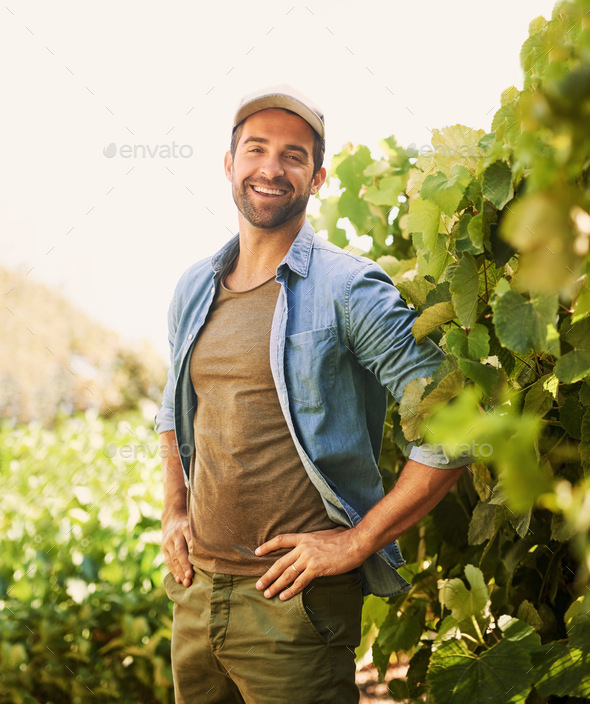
268 191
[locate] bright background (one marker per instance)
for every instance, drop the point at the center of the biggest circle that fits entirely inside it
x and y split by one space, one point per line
114 234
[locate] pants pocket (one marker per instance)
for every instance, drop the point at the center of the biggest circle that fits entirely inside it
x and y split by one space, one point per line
332 606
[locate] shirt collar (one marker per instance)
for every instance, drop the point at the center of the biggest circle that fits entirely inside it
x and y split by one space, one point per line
297 258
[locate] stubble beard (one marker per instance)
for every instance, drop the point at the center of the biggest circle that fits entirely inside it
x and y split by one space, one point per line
274 215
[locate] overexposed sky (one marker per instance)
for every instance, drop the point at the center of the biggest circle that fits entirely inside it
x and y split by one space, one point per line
94 97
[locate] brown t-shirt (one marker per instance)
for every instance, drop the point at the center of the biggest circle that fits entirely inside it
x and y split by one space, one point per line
247 482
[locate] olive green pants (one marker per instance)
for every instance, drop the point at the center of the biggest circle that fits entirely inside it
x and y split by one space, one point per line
231 645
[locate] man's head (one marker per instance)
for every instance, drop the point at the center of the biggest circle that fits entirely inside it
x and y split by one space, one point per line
286 98
275 159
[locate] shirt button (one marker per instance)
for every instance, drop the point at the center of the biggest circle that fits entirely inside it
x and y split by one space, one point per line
190 337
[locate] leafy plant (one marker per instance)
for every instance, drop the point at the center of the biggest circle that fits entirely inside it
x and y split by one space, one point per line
83 614
487 237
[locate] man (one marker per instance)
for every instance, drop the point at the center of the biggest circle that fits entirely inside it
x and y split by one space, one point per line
283 347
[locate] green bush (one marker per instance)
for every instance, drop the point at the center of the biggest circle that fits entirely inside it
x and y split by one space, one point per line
82 608
487 236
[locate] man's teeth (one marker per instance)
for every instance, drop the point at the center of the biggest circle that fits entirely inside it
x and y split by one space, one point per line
270 191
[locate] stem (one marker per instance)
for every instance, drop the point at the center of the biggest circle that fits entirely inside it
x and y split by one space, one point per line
522 360
477 630
485 278
488 546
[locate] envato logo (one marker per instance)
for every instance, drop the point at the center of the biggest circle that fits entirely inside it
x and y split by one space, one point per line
468 450
134 451
462 151
147 151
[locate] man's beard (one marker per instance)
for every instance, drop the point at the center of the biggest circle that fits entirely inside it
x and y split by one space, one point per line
273 215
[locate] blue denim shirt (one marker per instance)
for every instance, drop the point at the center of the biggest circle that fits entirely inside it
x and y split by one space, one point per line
341 337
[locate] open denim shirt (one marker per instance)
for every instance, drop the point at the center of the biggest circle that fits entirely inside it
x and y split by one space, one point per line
341 337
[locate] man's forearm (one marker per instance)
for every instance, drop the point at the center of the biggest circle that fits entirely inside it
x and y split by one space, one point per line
417 491
175 526
172 473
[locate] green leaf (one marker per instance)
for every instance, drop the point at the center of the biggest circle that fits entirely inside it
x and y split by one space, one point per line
439 294
464 287
519 631
521 522
561 667
577 334
528 614
415 291
474 345
446 192
538 399
356 210
377 168
482 480
398 689
570 417
327 219
375 610
497 184
448 388
417 672
482 524
409 408
464 602
573 366
424 217
539 226
432 318
386 191
521 325
398 632
350 166
475 230
584 446
457 676
485 376
389 264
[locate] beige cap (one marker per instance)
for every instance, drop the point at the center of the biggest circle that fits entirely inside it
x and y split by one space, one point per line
285 97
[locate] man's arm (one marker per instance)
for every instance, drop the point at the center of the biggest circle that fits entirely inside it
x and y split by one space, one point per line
175 527
329 552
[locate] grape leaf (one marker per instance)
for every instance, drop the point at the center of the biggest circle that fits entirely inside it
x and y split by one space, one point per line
497 184
446 192
521 325
424 217
500 674
431 318
464 287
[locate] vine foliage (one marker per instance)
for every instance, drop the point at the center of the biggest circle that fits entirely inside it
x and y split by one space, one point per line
487 236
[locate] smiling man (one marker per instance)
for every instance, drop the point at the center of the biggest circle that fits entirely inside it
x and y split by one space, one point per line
274 522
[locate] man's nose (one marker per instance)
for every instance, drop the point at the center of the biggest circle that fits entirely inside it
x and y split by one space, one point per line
272 167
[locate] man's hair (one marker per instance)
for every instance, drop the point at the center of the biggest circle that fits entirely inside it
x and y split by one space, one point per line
319 145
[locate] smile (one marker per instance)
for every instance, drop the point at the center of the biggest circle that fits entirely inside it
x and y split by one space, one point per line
268 191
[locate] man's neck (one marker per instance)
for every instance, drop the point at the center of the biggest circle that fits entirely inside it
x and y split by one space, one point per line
261 251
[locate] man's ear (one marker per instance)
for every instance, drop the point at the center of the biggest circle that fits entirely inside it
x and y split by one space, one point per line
228 164
318 181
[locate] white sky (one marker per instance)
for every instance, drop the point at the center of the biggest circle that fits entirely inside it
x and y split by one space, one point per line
114 234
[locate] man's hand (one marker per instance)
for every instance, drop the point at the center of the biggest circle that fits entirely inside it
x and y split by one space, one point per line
175 545
318 554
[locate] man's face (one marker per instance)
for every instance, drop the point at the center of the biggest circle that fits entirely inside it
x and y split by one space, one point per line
272 170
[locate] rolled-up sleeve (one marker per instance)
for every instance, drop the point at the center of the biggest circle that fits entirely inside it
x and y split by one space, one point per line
380 336
379 326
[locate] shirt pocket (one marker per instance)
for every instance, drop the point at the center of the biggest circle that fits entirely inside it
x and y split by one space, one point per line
310 365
